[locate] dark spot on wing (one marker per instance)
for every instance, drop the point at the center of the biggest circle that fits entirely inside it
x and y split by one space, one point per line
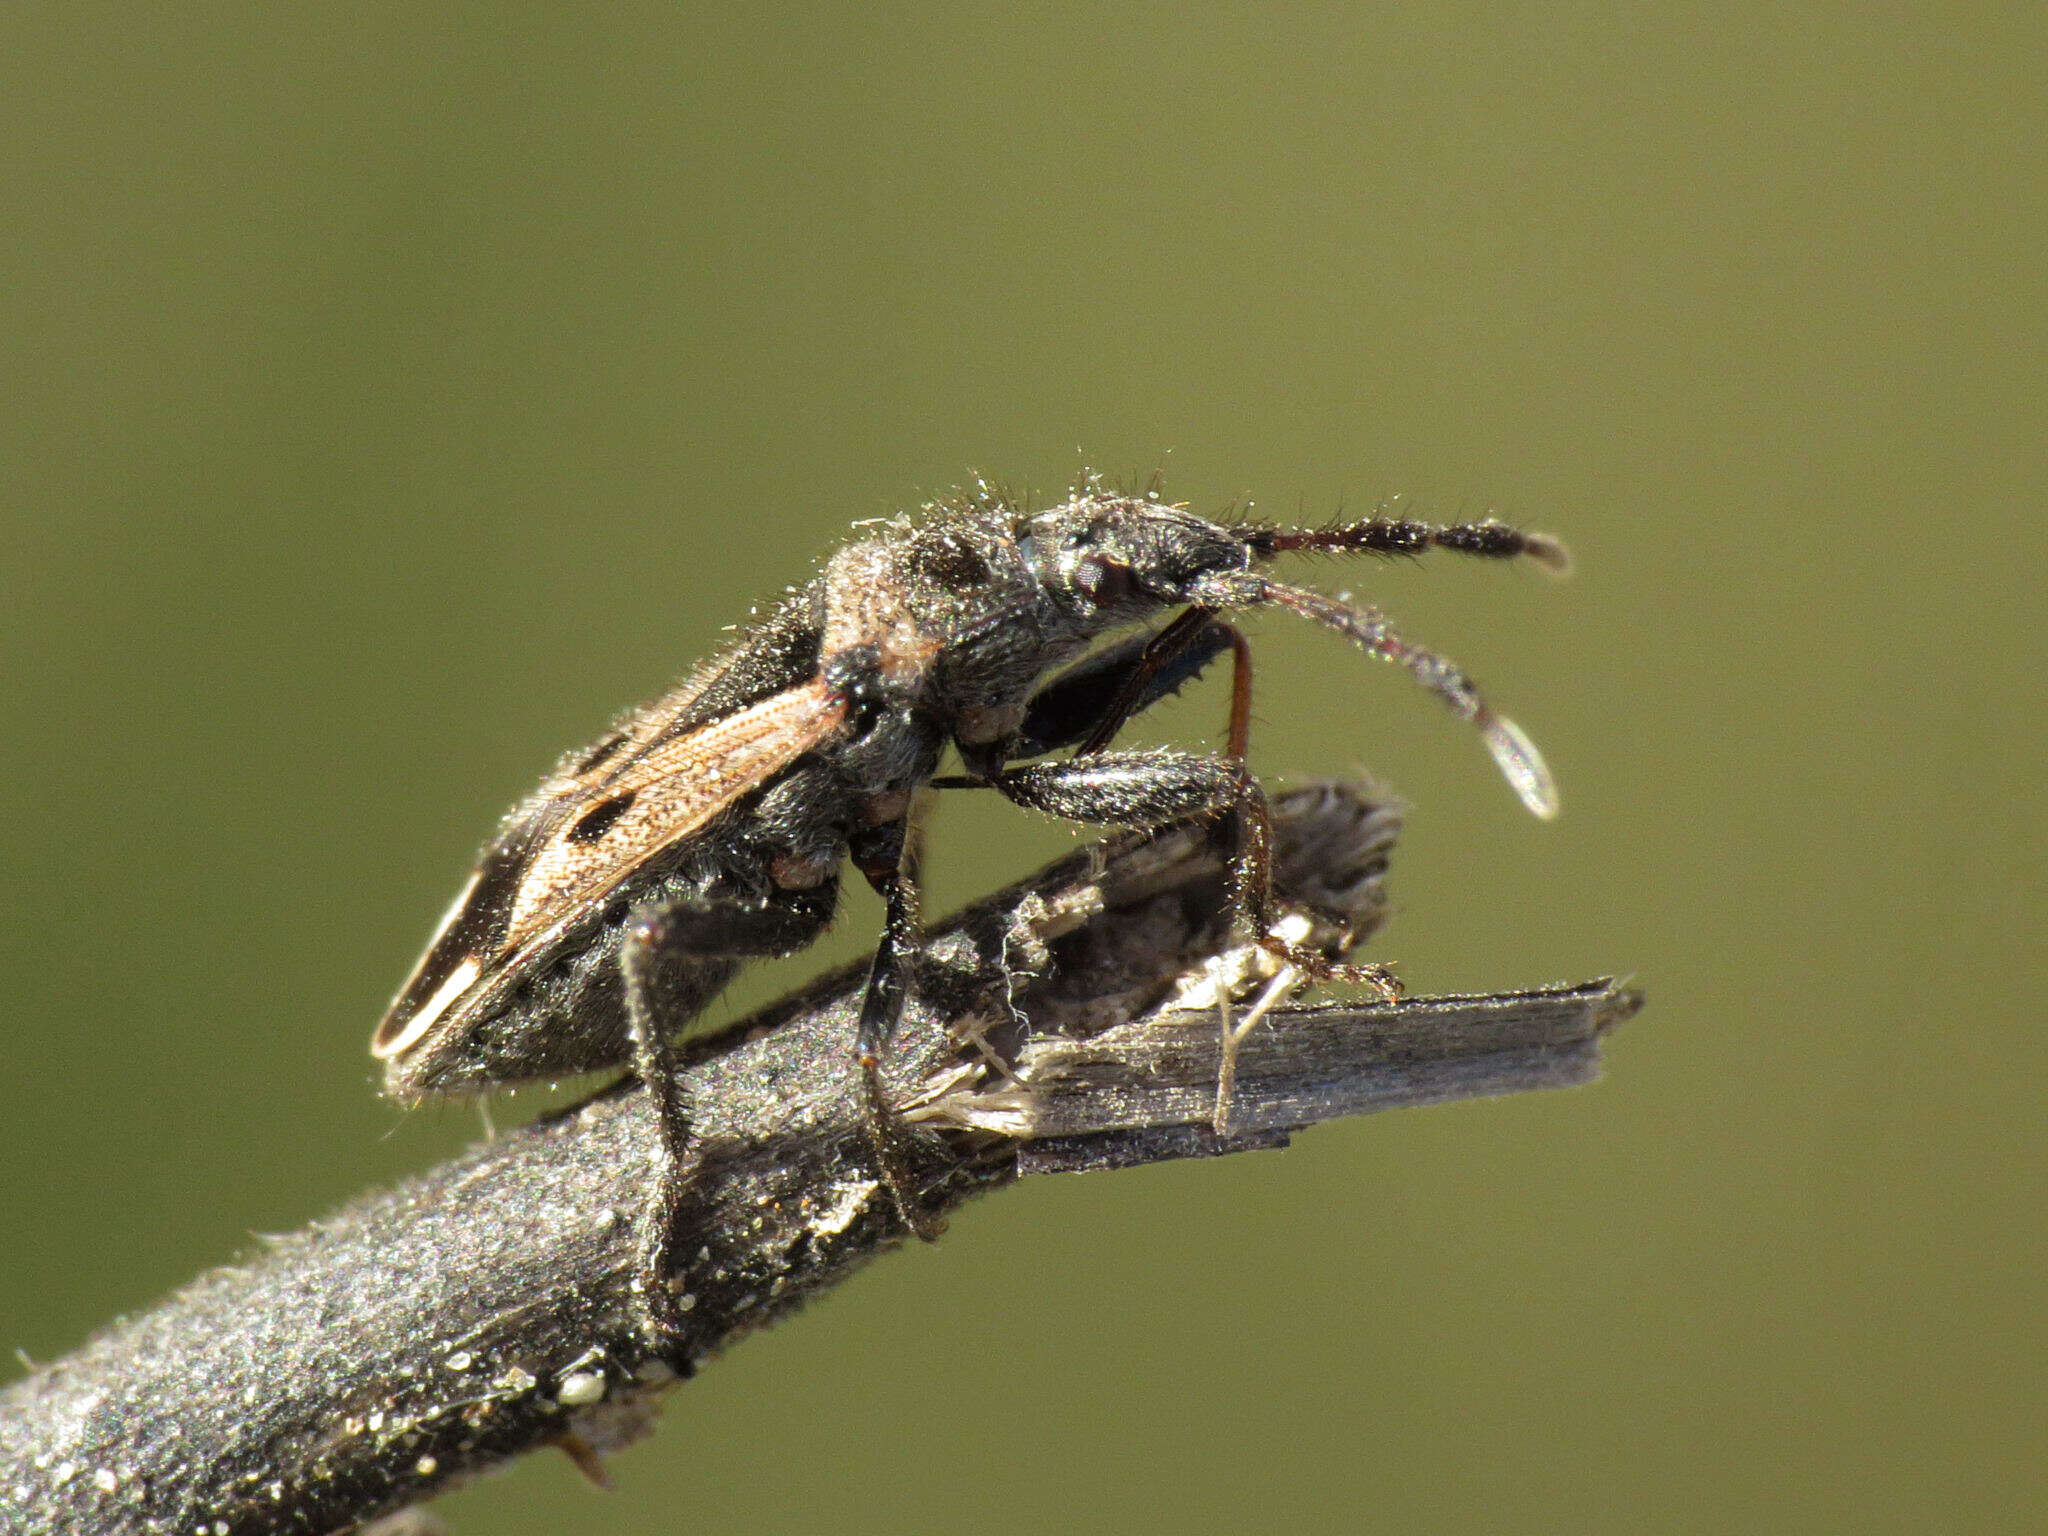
599 818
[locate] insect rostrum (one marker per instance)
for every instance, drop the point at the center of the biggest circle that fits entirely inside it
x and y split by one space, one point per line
711 826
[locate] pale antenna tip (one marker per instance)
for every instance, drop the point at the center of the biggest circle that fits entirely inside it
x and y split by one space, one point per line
1549 552
1522 764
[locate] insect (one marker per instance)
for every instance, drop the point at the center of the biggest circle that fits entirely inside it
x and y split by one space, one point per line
711 826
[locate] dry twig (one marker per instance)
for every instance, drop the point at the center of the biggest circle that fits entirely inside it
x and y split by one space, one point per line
483 1308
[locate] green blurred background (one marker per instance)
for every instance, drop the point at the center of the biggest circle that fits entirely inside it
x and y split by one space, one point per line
393 392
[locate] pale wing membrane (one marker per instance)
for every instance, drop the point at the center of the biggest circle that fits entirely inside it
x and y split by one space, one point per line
470 934
668 792
575 846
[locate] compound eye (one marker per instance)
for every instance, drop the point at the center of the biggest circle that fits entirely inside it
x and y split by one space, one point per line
1102 581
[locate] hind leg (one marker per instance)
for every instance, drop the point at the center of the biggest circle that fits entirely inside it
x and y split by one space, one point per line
676 957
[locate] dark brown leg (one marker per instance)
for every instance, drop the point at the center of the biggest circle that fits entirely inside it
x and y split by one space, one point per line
880 857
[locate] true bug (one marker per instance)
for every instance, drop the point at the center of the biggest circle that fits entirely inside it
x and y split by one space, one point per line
710 826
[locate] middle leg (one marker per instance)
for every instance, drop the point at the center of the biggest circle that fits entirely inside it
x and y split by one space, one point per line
881 855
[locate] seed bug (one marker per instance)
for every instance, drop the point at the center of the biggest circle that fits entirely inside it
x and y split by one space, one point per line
711 826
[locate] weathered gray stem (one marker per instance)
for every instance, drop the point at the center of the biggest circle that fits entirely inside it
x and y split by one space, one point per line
484 1308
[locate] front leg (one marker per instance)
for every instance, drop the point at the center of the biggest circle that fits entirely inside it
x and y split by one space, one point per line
1197 632
1156 789
1090 701
676 955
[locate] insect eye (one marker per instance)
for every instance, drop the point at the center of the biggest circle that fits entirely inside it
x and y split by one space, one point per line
1102 581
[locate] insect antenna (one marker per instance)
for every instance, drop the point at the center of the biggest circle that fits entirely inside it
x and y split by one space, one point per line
1367 627
1488 539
